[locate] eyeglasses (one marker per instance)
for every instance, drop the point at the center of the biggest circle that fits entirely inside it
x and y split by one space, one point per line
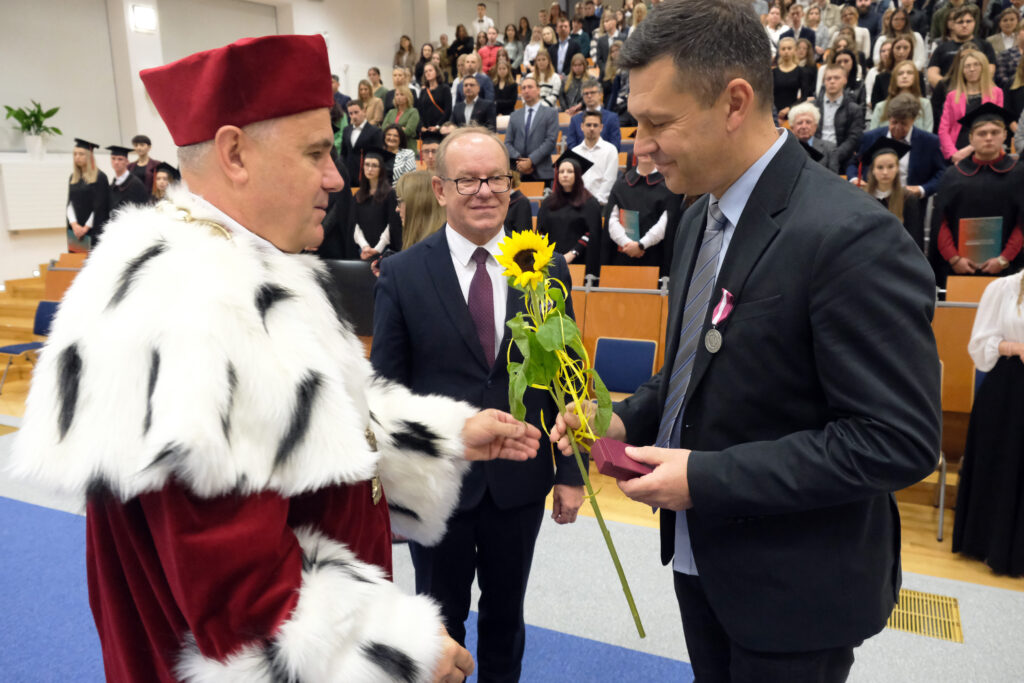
964 21
471 186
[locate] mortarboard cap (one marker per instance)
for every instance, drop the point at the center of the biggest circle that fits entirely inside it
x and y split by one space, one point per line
165 167
987 112
580 160
884 145
85 144
431 137
118 150
250 80
385 157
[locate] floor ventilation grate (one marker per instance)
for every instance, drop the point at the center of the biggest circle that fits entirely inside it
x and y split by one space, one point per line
927 614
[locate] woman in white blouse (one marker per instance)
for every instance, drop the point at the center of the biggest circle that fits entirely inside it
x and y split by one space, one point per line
989 523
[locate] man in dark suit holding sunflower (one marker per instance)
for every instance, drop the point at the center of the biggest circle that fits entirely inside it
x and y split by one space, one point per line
439 325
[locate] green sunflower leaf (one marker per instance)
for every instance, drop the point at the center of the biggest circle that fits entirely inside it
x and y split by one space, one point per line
516 388
604 404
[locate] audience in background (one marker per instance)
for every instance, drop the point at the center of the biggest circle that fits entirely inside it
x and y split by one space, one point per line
610 124
906 80
404 113
971 86
375 223
603 156
373 106
359 136
803 121
882 168
548 81
405 57
88 198
570 215
403 159
143 167
791 84
640 219
506 90
532 134
570 97
418 209
842 118
964 23
473 109
435 101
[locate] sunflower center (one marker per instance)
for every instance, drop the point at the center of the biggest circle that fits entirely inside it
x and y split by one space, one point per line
524 259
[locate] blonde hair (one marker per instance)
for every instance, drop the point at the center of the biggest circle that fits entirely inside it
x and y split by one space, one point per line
410 101
960 84
571 77
639 13
423 215
545 75
89 174
795 60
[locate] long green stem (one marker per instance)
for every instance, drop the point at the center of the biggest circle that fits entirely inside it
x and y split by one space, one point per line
560 401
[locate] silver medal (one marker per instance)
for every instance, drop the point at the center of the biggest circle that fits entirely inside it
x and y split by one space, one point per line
713 340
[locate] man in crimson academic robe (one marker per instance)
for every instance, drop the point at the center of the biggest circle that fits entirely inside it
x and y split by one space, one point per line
241 464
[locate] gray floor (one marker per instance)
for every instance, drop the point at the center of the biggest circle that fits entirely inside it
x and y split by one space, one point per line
574 589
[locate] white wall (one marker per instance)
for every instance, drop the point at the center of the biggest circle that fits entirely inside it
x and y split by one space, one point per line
58 53
223 21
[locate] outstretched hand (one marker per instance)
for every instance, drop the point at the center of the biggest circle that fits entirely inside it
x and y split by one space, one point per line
494 434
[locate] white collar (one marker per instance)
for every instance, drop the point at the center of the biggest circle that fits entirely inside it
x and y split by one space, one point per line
462 249
183 198
910 132
119 180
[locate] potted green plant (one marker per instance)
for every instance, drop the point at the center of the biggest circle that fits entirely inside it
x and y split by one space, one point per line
32 122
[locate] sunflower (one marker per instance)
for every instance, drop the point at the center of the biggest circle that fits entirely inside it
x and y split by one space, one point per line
525 256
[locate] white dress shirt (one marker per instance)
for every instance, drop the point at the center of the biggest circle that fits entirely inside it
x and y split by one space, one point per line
999 318
828 118
600 177
354 135
465 268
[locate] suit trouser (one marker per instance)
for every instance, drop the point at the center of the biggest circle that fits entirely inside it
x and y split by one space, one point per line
496 545
716 658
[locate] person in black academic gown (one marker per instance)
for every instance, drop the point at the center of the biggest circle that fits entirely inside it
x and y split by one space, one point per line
375 222
88 198
985 187
126 188
519 216
882 160
641 190
164 176
570 215
337 229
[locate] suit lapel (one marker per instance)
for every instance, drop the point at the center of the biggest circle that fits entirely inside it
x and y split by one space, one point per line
449 293
755 232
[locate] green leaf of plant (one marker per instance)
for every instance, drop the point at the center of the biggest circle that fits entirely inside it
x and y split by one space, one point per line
543 365
604 404
51 112
516 389
558 332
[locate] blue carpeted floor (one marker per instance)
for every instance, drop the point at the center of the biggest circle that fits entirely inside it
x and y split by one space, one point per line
47 633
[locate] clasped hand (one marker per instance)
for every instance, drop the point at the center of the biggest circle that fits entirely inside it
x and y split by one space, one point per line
666 487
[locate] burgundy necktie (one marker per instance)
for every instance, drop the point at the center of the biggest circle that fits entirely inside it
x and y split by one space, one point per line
481 304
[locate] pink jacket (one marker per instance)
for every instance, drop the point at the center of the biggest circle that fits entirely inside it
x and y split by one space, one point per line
952 112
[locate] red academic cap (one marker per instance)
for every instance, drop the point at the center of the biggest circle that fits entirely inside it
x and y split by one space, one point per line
250 80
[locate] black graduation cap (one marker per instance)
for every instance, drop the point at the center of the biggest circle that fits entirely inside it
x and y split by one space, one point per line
812 152
118 150
580 160
884 145
430 137
385 157
989 111
172 172
85 144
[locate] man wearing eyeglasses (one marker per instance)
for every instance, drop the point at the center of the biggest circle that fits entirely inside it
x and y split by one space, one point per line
963 35
439 325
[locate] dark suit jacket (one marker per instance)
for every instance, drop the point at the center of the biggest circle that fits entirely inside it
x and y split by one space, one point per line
483 113
610 130
925 166
849 124
424 337
823 399
371 136
574 48
805 32
542 139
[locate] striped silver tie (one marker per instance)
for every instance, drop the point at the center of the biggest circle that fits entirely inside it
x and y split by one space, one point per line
698 298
